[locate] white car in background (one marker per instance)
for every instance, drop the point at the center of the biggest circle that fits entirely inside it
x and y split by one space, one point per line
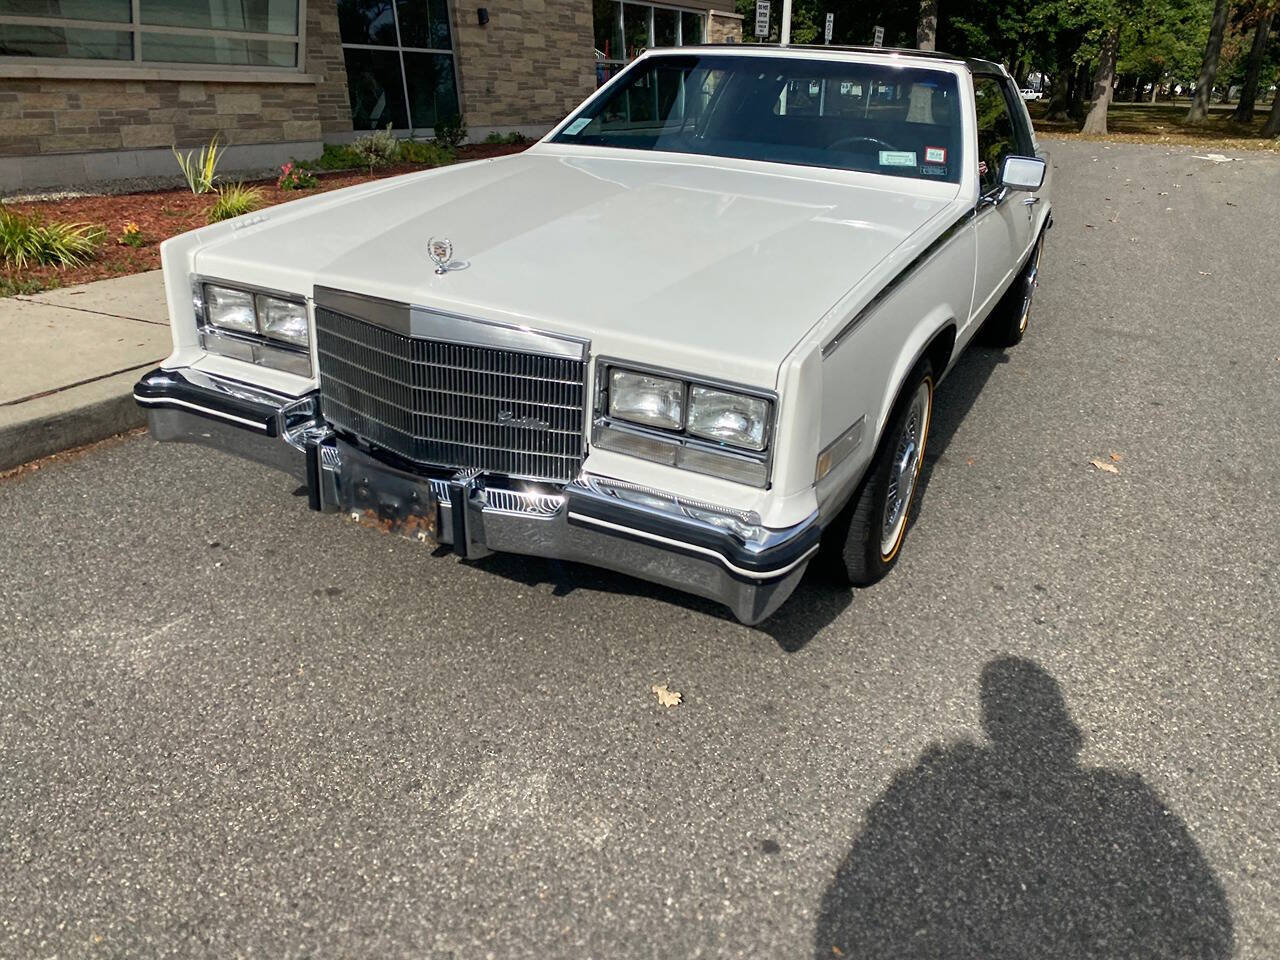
693 334
1029 95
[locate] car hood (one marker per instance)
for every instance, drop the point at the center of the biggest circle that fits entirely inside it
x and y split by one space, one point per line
711 268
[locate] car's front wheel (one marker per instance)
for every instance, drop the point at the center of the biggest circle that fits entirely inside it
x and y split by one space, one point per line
863 543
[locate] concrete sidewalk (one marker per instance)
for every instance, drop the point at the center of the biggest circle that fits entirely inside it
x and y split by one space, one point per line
70 360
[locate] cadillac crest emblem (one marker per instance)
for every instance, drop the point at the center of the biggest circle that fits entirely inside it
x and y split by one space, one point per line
441 252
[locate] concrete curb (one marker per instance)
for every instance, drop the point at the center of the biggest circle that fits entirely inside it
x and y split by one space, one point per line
70 418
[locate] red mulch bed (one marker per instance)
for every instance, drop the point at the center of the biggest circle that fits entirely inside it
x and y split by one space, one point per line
166 213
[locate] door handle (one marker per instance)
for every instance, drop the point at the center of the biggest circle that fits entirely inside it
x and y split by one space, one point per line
1031 201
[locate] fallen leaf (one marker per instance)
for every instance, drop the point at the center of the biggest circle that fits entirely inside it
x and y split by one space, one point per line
1091 226
1104 466
668 698
1204 273
970 462
1117 457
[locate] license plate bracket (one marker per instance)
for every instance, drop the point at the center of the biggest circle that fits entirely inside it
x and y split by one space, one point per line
387 500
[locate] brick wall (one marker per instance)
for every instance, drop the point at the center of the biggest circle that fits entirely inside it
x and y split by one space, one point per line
724 26
69 116
324 59
49 116
530 65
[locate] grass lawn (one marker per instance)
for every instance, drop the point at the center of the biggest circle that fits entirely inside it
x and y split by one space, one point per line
161 214
1166 123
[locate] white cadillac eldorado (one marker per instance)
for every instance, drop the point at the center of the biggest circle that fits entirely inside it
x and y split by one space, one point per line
692 335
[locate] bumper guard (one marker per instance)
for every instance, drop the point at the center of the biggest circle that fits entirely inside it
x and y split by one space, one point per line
714 552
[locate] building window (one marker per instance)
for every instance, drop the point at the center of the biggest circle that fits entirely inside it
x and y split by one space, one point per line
236 33
399 56
624 29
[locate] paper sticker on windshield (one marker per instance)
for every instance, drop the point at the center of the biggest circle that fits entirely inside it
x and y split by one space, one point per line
576 127
935 154
897 158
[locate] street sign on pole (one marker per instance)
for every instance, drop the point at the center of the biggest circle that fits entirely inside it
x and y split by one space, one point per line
762 18
831 22
879 41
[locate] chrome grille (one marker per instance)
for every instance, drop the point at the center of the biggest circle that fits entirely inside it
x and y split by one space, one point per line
449 404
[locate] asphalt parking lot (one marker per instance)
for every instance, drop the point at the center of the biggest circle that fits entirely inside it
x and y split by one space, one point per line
231 727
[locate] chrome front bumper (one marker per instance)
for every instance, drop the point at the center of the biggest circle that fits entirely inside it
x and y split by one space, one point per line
698 548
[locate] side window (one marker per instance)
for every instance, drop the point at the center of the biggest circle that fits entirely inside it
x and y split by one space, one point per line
997 135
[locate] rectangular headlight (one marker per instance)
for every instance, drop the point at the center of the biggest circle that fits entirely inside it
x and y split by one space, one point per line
727 417
230 309
284 320
647 399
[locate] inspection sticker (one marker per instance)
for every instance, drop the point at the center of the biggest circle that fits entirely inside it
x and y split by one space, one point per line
576 127
897 158
935 154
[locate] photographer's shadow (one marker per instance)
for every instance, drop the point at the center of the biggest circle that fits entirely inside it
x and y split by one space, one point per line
1015 850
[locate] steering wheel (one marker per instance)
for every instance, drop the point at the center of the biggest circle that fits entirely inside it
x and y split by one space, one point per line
874 141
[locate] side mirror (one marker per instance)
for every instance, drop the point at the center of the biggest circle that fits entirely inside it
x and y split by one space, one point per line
1025 174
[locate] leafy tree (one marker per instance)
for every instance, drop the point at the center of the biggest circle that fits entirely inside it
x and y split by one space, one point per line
1199 111
1272 126
1103 81
927 31
1163 41
1253 68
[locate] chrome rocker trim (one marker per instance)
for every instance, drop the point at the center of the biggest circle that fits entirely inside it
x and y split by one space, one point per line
722 554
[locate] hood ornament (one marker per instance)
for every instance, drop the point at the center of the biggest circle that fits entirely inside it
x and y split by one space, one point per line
440 250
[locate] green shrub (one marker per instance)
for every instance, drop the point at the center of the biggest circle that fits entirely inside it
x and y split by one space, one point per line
234 200
451 130
376 149
514 137
425 152
336 156
26 241
201 172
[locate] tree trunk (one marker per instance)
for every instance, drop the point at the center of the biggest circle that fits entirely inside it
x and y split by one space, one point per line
1249 92
1059 94
1199 111
927 29
1078 87
1096 121
1272 128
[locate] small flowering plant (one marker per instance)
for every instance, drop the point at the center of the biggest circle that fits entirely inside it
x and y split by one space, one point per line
131 235
294 178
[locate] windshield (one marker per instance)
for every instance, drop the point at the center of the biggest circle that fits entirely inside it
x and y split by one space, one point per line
879 118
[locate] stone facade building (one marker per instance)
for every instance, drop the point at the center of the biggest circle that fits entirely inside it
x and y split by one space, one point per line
102 89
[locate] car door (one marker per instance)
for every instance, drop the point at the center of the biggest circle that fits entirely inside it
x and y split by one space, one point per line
1003 222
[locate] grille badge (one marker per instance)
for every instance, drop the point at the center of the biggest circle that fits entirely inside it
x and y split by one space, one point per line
509 418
